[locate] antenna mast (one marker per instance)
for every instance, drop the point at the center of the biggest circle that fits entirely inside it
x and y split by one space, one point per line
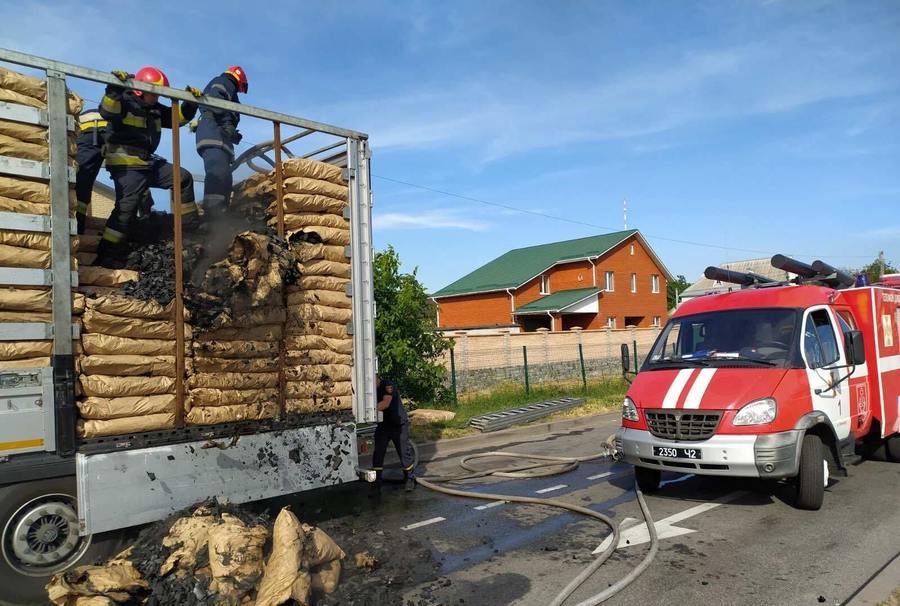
625 212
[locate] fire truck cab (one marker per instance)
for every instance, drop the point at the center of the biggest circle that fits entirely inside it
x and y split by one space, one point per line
774 380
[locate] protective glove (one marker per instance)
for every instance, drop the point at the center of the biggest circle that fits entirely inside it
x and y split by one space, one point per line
236 137
193 125
194 90
122 75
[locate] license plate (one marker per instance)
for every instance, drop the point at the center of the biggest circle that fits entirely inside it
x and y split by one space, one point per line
668 452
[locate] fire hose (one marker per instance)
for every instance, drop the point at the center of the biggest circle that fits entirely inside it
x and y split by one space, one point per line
545 467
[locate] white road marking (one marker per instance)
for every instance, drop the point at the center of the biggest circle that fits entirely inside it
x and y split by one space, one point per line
695 393
489 505
677 386
600 475
665 529
423 523
552 488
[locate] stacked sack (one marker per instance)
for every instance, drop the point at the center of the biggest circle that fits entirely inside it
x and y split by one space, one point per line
235 372
318 349
127 378
23 249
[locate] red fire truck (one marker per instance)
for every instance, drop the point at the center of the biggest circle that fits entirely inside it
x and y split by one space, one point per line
782 380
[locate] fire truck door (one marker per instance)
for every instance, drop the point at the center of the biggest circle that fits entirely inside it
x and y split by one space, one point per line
825 366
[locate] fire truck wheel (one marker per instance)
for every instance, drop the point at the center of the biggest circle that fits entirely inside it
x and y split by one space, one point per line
647 479
812 477
887 449
39 527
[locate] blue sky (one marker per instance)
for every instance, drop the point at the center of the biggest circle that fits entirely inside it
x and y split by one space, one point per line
744 127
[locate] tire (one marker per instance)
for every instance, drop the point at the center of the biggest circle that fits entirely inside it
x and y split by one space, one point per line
812 477
51 504
887 449
647 479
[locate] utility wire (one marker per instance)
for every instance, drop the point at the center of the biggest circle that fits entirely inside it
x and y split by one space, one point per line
594 225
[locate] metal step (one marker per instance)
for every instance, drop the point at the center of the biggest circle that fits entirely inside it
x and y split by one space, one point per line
523 414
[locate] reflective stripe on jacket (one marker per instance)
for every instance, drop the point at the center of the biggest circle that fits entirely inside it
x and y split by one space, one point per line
91 129
212 120
134 128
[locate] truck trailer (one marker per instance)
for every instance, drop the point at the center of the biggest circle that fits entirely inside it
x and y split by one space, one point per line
59 489
783 381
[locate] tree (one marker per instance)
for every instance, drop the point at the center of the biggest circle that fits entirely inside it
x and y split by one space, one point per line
407 342
873 270
675 288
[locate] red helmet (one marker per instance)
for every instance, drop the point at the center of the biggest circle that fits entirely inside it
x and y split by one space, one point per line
237 72
151 75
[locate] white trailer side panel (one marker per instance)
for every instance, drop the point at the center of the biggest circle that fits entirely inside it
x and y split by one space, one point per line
121 489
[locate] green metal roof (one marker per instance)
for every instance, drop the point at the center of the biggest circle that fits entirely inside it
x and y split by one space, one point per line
516 267
557 301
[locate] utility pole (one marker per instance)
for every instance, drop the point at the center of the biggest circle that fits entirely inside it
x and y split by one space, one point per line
880 265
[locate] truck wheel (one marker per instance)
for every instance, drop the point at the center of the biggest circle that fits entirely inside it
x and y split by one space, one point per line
39 526
887 449
813 474
647 479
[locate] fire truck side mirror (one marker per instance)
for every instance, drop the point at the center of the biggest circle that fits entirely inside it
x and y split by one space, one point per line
626 359
855 347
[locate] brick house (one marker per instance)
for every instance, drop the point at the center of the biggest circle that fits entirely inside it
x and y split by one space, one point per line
612 280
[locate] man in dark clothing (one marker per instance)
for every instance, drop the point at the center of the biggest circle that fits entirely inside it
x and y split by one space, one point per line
89 155
217 135
135 121
394 427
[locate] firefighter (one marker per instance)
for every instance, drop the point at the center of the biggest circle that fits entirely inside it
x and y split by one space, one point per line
394 427
135 120
89 155
217 135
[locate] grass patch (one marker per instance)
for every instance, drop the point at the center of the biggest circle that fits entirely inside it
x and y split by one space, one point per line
600 396
893 599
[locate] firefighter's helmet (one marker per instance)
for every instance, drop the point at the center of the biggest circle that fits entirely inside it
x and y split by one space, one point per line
151 75
237 72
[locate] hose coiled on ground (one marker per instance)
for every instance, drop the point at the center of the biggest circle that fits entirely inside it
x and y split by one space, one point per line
550 466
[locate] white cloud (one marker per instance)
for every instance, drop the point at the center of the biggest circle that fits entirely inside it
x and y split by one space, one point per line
430 219
509 114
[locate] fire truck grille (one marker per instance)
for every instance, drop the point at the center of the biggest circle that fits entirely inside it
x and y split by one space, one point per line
679 425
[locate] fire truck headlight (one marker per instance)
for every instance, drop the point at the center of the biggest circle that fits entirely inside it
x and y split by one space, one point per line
757 412
629 410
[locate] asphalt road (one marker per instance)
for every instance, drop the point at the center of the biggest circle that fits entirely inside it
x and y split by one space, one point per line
734 542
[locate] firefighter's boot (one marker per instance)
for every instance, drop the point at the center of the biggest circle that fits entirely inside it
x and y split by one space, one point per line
112 255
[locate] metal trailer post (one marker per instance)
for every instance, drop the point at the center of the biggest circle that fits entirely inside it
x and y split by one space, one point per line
61 265
362 328
179 265
279 200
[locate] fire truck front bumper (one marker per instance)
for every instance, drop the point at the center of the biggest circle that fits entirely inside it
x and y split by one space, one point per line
773 455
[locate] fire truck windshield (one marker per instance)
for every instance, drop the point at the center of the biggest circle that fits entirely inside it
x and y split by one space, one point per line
734 337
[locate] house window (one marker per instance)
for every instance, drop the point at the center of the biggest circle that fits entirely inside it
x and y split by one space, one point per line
611 322
633 282
654 283
656 320
545 285
632 250
610 281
